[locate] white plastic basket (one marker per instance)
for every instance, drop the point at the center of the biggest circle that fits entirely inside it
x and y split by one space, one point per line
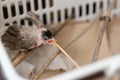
109 66
52 11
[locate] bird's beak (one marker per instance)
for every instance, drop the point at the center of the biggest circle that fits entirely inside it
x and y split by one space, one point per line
50 41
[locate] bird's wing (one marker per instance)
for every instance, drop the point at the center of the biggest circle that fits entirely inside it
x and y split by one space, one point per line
12 37
14 40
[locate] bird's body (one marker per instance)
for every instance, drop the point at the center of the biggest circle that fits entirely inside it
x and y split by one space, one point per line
33 35
22 38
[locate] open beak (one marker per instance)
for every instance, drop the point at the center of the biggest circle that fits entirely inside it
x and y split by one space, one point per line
50 41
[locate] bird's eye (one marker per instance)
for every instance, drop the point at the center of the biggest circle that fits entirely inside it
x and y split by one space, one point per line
46 35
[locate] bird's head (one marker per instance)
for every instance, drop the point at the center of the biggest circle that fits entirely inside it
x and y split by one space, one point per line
47 36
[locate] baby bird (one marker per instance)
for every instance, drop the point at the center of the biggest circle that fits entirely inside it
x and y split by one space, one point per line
23 38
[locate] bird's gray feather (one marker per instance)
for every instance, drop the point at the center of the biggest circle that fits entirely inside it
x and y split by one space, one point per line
13 39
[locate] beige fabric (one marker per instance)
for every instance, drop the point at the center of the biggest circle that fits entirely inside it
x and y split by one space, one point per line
82 50
25 69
